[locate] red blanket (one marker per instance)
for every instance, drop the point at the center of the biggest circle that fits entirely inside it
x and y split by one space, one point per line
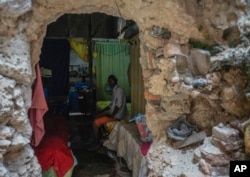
54 152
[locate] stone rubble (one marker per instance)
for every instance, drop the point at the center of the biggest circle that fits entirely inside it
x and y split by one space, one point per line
182 76
226 144
211 158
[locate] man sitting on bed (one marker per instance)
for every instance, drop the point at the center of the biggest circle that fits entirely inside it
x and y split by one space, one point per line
115 111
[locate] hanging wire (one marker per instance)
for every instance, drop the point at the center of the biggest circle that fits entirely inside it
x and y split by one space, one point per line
120 25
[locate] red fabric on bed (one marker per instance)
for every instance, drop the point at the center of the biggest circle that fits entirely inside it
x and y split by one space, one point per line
53 150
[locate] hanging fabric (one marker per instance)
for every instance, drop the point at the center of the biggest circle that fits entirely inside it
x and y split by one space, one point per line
55 55
38 109
136 79
80 47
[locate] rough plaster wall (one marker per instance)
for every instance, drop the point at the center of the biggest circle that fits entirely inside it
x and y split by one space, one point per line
170 67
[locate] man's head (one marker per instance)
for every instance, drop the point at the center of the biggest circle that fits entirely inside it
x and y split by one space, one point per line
112 80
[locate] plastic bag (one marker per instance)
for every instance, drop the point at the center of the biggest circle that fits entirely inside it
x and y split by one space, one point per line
145 133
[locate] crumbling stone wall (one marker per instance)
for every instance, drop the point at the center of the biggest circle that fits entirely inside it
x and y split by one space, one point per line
194 56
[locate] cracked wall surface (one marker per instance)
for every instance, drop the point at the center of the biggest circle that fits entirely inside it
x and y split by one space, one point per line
194 57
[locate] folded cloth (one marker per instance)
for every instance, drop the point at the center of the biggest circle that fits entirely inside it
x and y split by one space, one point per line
181 129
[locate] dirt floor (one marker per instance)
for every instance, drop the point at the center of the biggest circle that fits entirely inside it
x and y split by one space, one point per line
93 163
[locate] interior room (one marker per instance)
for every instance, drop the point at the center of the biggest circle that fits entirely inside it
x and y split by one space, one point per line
78 54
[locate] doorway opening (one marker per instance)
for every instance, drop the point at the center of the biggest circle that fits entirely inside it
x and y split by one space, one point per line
78 53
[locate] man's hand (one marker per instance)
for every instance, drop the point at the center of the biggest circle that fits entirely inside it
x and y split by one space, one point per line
100 114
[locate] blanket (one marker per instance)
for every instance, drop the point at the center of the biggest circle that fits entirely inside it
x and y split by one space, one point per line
53 150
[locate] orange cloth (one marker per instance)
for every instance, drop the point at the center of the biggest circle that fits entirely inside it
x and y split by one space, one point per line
102 120
38 109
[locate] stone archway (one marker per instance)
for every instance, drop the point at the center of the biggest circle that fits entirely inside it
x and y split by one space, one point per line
22 30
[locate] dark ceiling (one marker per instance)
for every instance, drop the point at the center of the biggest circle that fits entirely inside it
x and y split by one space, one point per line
95 25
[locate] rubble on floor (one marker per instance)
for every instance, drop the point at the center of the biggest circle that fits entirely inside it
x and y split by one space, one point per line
211 158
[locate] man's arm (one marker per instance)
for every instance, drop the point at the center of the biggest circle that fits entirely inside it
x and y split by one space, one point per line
105 112
102 112
114 112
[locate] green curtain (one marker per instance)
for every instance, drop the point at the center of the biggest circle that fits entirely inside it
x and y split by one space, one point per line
112 58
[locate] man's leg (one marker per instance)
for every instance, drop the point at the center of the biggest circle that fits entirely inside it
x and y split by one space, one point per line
96 133
98 122
95 145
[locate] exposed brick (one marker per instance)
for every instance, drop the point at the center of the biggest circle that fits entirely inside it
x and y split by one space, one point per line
146 73
150 96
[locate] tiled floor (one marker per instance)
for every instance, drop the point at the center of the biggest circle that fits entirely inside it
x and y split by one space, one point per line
91 163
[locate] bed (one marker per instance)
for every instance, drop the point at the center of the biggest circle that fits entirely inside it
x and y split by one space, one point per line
125 140
53 152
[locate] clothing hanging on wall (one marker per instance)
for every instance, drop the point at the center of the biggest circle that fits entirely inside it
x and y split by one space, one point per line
38 109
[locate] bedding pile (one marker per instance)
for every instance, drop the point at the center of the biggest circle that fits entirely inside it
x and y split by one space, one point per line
53 151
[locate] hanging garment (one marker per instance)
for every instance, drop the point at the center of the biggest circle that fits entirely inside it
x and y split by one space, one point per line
38 109
80 47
